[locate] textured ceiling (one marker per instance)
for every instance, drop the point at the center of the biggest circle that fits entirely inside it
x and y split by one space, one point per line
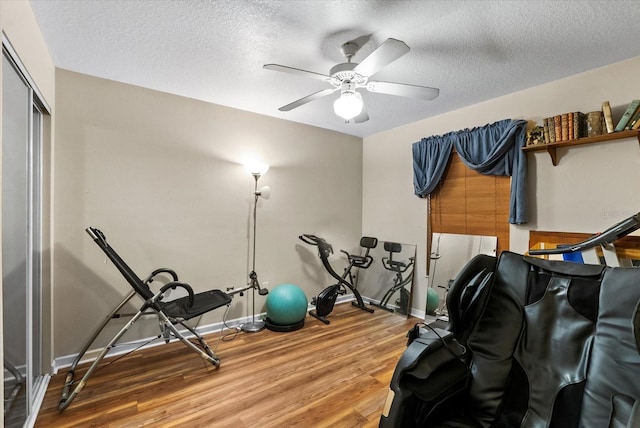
214 50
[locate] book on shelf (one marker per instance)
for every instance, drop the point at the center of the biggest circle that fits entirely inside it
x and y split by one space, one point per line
552 130
557 126
608 119
545 127
578 125
628 115
634 120
572 135
564 126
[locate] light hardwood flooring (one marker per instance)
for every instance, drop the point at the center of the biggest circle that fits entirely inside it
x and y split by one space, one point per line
334 375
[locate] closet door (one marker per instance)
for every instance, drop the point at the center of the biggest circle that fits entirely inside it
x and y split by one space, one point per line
21 247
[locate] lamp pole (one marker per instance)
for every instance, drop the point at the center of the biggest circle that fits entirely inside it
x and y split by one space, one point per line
255 326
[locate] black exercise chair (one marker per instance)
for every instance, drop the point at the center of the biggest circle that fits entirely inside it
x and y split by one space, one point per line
171 314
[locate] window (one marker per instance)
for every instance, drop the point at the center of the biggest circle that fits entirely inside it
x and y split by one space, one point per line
469 203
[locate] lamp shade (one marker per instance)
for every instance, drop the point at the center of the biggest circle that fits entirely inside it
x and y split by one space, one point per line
349 105
264 192
256 168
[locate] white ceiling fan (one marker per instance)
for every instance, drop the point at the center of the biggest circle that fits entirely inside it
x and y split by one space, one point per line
348 77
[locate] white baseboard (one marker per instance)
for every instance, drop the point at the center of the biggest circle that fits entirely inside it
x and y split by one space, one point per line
418 313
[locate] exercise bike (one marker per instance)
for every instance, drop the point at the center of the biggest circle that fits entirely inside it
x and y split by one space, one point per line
399 282
325 301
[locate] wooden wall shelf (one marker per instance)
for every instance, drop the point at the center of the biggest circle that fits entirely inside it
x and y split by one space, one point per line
551 147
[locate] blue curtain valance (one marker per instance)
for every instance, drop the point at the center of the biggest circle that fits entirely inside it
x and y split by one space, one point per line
430 157
492 149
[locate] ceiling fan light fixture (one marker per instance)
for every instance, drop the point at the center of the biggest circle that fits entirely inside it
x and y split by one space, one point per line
349 105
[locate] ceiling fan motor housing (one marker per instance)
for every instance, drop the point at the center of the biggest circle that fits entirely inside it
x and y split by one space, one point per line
349 49
344 72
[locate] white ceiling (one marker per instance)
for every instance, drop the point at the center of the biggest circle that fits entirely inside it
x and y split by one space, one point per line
214 50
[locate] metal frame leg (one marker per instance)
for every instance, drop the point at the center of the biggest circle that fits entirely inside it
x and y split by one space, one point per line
15 390
66 399
167 327
206 354
64 402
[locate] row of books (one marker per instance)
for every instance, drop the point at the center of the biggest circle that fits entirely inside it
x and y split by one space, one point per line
574 125
564 127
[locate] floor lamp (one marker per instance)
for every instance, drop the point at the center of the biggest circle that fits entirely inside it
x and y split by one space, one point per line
256 169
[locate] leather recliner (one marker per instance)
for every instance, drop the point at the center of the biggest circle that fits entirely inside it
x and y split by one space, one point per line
543 344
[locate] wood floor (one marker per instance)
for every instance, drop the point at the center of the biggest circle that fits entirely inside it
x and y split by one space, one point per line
322 375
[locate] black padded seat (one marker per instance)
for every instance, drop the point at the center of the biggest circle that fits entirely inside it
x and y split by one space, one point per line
202 303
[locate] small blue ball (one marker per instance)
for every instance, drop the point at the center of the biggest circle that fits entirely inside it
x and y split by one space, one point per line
286 304
433 301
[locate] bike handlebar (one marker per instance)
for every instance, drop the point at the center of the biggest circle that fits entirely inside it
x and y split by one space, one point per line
324 248
310 239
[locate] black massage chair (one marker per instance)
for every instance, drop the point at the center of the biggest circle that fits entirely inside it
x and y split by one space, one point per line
530 343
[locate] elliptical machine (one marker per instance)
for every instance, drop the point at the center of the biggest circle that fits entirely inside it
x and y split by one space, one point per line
325 301
399 282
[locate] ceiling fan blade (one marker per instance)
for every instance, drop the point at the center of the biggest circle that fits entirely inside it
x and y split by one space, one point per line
384 55
403 90
285 69
307 99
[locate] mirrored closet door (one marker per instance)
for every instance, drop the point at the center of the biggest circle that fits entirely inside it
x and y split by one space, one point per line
21 245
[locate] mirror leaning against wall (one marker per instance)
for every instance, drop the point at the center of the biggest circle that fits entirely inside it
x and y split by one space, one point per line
449 254
387 284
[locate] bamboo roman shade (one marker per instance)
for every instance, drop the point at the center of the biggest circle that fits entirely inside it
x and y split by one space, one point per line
469 203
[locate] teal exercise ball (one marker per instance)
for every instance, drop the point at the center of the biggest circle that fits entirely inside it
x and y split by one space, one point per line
286 304
433 300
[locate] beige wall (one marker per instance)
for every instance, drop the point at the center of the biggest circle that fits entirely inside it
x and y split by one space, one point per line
162 177
592 187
